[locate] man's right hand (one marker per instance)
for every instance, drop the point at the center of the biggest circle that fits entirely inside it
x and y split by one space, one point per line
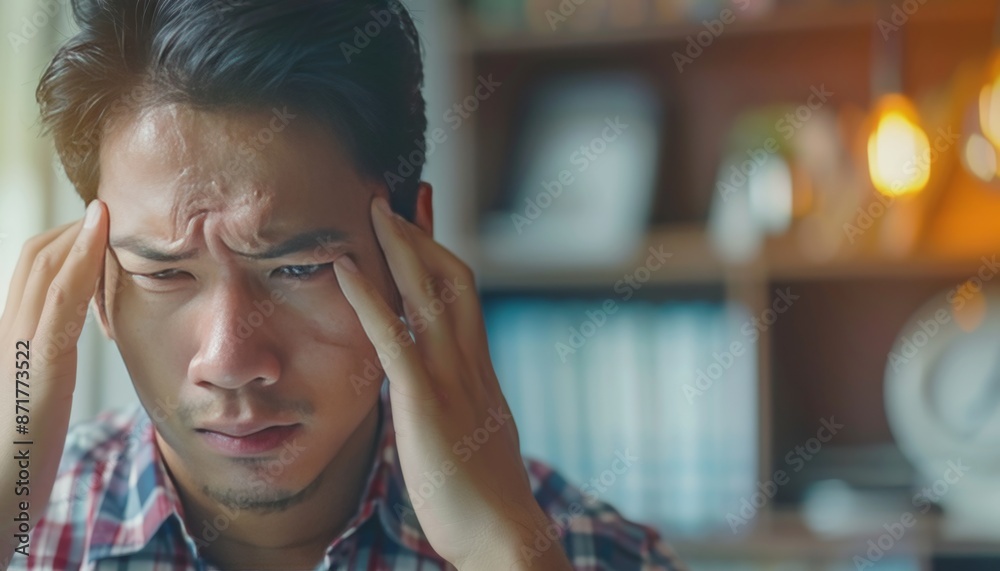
54 281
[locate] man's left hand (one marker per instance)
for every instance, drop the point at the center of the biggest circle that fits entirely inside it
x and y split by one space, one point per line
457 442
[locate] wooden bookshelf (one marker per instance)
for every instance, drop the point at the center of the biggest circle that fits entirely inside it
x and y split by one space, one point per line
755 62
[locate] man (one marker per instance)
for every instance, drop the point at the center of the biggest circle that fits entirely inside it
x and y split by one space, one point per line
310 362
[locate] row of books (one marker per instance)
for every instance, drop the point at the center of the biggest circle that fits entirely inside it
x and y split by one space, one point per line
590 383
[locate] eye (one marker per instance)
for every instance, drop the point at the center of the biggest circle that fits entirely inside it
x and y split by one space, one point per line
164 275
162 281
303 273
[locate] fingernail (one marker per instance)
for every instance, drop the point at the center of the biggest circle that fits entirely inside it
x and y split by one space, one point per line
348 264
383 205
93 214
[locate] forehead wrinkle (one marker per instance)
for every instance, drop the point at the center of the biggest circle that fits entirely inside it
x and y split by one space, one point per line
216 181
244 221
234 222
218 188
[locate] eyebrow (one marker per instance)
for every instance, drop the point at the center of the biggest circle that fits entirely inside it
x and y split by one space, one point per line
321 237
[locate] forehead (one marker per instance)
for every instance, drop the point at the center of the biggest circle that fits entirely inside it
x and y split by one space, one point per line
263 169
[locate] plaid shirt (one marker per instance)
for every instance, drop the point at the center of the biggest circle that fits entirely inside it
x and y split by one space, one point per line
114 507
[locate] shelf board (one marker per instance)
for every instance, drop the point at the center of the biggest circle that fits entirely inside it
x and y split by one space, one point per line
691 262
783 534
694 262
785 265
795 17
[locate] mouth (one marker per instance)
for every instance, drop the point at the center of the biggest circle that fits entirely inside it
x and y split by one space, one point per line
248 440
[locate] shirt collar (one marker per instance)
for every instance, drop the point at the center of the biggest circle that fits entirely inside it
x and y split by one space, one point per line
141 495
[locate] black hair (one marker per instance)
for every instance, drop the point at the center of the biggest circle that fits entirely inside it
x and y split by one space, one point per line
354 64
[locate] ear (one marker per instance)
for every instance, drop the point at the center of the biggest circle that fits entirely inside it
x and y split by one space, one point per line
424 214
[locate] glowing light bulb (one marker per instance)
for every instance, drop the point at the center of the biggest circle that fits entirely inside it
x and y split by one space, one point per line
979 150
898 149
980 157
989 107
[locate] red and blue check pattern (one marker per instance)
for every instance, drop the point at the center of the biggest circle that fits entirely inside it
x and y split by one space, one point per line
114 507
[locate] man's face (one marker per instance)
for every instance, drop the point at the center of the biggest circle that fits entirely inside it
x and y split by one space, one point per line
229 341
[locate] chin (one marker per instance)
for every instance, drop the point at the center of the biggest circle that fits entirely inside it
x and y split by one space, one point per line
254 488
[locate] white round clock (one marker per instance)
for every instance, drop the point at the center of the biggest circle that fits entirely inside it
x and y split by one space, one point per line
942 397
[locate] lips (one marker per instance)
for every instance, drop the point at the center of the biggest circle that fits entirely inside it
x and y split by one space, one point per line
239 430
245 440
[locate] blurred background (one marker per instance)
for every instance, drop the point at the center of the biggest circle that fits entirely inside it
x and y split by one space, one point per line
747 245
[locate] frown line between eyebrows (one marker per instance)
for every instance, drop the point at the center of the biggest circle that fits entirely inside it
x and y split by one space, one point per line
321 238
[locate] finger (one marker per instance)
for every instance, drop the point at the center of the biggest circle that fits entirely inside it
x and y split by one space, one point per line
44 268
23 269
67 300
59 307
466 311
417 286
390 336
459 282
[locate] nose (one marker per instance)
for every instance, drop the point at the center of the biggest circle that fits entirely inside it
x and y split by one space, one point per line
236 341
